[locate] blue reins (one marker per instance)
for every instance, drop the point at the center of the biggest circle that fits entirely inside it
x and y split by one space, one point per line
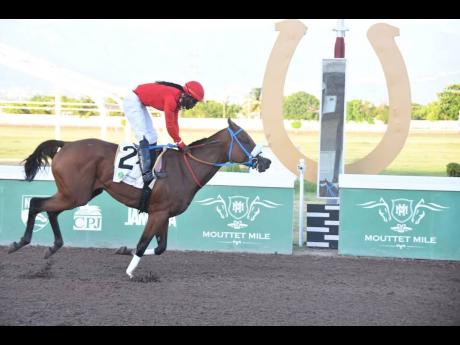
251 162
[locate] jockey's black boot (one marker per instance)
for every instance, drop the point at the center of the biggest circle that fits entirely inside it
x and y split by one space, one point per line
153 157
145 161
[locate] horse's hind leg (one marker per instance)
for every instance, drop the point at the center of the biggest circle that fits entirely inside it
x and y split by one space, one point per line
53 215
53 206
35 207
58 242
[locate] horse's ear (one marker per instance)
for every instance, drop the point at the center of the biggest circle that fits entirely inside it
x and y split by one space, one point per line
231 124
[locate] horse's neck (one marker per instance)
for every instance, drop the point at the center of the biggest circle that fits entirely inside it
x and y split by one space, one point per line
214 153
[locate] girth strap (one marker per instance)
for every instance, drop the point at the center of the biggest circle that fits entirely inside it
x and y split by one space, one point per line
195 178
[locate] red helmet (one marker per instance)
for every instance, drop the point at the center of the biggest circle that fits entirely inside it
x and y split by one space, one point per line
194 89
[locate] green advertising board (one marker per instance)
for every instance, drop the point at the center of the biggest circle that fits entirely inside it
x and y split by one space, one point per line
400 216
233 212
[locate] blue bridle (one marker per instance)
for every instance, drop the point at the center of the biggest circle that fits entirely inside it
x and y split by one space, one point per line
251 162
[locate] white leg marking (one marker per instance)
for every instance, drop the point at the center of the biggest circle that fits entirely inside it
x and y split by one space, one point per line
132 265
149 252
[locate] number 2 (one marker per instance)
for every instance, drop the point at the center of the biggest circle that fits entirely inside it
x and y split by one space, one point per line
122 164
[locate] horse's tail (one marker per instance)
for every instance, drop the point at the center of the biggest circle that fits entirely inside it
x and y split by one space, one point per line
39 158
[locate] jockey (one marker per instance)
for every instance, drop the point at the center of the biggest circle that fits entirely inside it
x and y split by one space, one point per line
165 96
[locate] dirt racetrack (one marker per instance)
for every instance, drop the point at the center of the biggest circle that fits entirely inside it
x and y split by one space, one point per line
89 287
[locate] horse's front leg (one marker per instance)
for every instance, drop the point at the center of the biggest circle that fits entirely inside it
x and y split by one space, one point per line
162 241
157 224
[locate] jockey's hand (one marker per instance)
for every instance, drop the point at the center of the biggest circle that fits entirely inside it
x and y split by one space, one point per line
181 146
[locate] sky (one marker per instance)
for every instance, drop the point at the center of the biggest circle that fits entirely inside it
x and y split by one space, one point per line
228 56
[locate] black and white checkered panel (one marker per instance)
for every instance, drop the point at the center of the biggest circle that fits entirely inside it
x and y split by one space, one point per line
323 226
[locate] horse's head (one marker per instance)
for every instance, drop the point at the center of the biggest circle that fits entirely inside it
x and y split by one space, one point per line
242 149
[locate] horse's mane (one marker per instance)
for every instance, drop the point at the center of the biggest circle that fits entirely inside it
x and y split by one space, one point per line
205 140
198 142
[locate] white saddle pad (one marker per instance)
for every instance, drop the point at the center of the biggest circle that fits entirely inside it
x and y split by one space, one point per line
127 168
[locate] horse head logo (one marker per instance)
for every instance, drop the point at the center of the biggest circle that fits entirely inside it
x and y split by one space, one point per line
419 211
254 209
221 206
402 211
384 210
238 208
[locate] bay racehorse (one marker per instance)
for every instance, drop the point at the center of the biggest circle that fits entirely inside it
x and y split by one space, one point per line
83 169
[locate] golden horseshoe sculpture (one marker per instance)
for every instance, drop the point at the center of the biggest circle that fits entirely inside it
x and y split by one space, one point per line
381 37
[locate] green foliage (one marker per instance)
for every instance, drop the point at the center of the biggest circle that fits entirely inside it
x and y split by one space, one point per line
453 169
297 106
15 108
252 102
449 103
213 109
418 112
84 110
301 106
296 124
44 110
235 168
432 111
425 112
29 106
446 107
381 112
359 111
255 94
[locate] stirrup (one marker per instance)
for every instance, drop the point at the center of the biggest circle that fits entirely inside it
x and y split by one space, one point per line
160 174
147 177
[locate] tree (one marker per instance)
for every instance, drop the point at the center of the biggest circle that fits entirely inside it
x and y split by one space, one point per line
359 111
212 109
418 112
381 112
252 102
449 102
301 106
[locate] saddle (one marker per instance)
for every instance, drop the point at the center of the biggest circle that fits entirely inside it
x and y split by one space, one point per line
127 170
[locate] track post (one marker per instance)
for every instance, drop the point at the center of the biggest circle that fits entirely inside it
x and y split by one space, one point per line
301 168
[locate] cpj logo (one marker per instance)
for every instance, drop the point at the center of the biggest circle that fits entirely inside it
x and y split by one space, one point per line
41 221
239 209
402 217
88 218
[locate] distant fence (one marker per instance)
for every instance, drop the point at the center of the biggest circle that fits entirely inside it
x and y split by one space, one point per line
59 108
89 114
208 123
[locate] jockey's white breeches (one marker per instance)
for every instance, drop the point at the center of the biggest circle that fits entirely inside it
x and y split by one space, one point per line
139 118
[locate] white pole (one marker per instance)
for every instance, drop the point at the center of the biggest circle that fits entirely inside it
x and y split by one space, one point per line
100 102
301 168
57 113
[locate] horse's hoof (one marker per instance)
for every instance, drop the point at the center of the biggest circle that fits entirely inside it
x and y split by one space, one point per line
123 251
13 247
49 252
120 250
